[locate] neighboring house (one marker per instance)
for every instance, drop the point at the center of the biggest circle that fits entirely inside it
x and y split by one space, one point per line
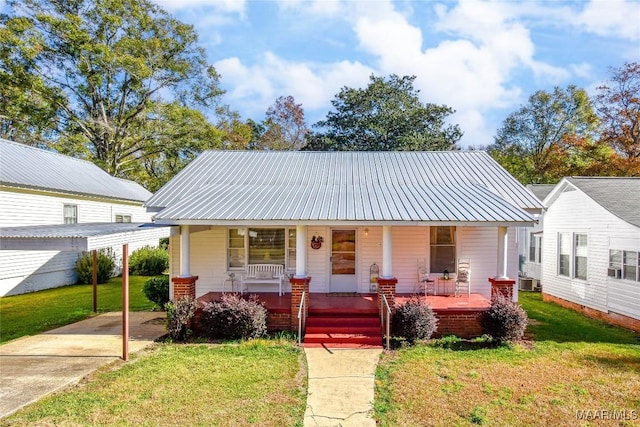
530 241
592 246
327 217
40 192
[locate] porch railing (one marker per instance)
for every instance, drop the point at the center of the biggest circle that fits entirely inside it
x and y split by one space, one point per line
301 316
385 319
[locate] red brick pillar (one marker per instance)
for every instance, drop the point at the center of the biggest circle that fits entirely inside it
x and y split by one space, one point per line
298 286
502 286
388 288
183 286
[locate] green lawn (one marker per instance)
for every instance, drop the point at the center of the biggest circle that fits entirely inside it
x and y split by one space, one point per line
260 382
573 364
32 313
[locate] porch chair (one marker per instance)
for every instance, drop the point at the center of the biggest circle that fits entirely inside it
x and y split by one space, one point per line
463 277
424 283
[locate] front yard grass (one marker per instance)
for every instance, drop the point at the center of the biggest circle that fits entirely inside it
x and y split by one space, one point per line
258 382
36 312
572 364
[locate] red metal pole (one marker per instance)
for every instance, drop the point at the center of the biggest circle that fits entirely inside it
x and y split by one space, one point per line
95 281
125 302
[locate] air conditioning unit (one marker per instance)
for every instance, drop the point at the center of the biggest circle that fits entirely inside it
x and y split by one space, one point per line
526 284
616 273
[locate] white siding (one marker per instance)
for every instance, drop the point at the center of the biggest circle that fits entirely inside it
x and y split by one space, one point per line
318 266
27 271
574 212
410 245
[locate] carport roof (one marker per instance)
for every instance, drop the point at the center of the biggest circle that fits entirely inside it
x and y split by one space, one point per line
75 237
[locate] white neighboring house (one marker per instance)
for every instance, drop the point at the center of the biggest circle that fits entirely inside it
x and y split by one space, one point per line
592 246
45 195
530 244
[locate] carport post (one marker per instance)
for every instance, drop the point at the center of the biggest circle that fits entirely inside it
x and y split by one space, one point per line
125 302
95 281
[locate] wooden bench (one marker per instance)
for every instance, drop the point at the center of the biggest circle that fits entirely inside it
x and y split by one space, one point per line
263 274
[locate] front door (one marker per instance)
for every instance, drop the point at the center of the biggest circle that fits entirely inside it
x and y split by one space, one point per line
343 261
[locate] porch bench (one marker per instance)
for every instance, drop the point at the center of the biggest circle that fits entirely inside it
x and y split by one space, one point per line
263 274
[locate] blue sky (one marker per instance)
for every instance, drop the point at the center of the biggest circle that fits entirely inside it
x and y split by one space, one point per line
482 58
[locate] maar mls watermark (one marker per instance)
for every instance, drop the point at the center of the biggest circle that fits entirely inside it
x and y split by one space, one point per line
607 414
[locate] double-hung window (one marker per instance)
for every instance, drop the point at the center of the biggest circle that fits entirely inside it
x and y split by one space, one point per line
580 257
442 249
535 248
564 254
70 214
624 265
572 255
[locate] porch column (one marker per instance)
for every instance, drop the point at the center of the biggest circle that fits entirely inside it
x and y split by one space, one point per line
387 252
501 271
301 251
184 251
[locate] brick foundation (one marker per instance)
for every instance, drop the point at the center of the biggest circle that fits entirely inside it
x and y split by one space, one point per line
502 286
611 318
298 286
462 323
183 286
279 321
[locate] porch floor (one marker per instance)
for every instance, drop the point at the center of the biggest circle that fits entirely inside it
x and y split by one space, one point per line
360 303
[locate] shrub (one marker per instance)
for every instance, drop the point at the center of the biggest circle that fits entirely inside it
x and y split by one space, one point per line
414 320
156 289
505 320
84 267
179 315
148 261
233 317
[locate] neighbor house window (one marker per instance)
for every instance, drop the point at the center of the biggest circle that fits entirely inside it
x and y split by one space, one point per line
442 249
70 214
630 265
564 254
535 248
236 248
123 218
580 257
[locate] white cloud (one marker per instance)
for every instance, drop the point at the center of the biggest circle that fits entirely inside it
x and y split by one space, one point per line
618 18
224 6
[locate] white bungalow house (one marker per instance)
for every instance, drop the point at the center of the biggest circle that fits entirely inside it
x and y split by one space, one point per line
592 246
529 241
328 217
54 207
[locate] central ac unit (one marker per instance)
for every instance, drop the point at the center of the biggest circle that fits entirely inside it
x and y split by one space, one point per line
526 284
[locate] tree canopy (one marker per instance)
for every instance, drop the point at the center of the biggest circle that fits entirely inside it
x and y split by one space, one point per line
118 82
385 116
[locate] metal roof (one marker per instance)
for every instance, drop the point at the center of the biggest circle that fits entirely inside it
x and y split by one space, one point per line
75 237
620 196
29 167
452 186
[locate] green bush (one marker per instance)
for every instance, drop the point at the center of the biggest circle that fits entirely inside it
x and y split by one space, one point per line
414 320
148 261
233 317
179 315
84 266
505 320
156 289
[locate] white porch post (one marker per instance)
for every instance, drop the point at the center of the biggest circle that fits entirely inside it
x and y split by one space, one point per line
387 252
184 251
301 251
501 272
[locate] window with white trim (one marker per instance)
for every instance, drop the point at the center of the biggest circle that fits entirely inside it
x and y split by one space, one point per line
70 214
535 248
564 254
235 248
580 257
442 246
123 218
624 265
261 246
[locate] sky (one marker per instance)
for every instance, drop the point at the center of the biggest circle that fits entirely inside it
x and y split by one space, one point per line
481 58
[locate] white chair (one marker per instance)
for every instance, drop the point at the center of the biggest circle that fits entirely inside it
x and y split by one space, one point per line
424 283
463 277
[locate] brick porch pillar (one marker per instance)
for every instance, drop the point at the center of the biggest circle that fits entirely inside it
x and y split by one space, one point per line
298 286
183 286
502 286
388 288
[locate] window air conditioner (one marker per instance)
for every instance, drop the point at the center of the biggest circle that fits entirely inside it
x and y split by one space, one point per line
616 273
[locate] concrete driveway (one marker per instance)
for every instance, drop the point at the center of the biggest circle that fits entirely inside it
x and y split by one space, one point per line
33 367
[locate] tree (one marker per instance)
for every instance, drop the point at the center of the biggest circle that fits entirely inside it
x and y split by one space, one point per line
103 73
618 105
387 115
284 127
550 137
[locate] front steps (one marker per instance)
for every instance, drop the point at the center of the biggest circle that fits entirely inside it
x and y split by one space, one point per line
343 330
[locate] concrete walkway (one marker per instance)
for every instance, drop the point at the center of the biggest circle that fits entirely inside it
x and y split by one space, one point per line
341 383
36 366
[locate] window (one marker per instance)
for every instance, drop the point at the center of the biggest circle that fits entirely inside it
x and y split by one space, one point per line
564 254
535 248
580 257
291 261
624 265
70 214
266 246
261 246
235 251
123 218
442 249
